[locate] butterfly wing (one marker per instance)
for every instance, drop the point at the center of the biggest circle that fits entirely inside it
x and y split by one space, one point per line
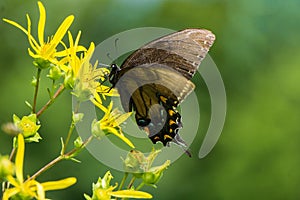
156 78
183 51
154 91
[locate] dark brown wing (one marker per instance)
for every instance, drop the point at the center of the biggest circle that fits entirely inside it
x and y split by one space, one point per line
156 78
163 80
183 51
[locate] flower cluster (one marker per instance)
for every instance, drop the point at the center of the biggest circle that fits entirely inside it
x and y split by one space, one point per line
140 166
69 66
74 66
103 190
30 188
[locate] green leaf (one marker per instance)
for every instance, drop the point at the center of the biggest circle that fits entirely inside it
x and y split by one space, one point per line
28 105
34 138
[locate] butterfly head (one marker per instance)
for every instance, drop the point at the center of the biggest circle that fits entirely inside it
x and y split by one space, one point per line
112 77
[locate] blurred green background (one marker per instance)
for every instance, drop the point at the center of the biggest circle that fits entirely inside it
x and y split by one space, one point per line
257 52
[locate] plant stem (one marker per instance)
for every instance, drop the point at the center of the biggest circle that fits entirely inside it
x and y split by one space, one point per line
36 89
140 186
12 153
57 93
131 182
58 159
66 142
123 180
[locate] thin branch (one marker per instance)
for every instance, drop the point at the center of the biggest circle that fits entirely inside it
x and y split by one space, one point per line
66 142
140 186
131 182
123 180
12 153
58 159
57 93
36 89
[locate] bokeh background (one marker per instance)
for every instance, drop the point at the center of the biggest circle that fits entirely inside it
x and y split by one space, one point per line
257 52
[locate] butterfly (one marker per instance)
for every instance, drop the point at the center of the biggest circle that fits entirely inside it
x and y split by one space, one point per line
156 78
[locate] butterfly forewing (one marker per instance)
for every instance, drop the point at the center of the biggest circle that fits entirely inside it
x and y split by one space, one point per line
183 51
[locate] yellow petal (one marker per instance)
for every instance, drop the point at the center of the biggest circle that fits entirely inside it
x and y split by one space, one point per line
20 158
77 38
12 181
122 118
16 25
9 193
62 53
131 194
99 104
41 24
32 54
61 31
31 40
71 43
40 191
119 135
57 185
21 28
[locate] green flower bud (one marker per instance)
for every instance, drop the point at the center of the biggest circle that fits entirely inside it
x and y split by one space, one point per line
96 130
154 174
78 142
69 81
105 182
6 167
41 63
135 163
77 117
54 73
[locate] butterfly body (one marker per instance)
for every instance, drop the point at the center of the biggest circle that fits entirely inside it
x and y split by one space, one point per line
155 79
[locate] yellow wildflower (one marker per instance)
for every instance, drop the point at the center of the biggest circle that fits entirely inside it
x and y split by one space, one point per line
110 123
88 77
30 188
102 190
44 52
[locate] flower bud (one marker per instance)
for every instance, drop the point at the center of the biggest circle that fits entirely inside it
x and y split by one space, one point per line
77 117
69 81
41 63
78 142
154 174
6 167
54 73
96 130
134 162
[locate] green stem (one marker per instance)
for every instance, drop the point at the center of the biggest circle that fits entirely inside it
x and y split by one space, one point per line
140 186
66 142
36 89
131 182
72 126
123 180
58 159
12 153
57 93
77 106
